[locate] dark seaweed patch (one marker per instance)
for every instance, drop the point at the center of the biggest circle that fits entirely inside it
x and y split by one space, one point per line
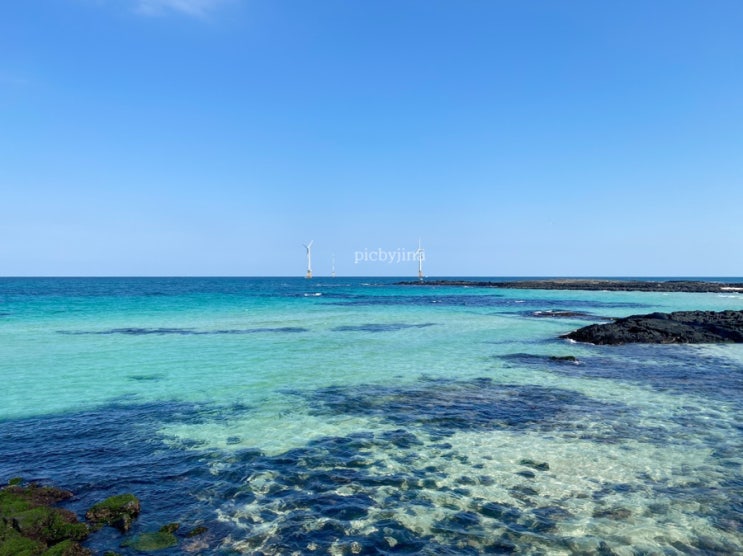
615 513
488 300
301 511
679 368
459 523
381 327
134 331
538 466
533 359
500 512
147 377
425 300
442 407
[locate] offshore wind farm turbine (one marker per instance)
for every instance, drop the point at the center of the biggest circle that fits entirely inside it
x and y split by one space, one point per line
308 246
419 255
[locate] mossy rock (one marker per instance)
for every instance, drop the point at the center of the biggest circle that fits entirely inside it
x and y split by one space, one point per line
196 531
12 502
152 542
49 525
16 498
30 526
67 548
170 528
564 358
118 511
13 543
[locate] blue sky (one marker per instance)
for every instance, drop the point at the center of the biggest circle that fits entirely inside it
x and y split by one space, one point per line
214 137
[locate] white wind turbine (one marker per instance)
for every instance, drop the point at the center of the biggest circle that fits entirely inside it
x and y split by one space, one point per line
308 246
419 255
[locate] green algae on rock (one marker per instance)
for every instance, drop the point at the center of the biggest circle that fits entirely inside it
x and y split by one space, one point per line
31 526
117 511
152 542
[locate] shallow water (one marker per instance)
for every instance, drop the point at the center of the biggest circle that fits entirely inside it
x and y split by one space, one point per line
359 417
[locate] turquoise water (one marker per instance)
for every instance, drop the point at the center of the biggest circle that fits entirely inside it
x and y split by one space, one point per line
354 416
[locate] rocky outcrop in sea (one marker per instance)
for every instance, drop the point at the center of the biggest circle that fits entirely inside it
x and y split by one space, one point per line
591 284
682 327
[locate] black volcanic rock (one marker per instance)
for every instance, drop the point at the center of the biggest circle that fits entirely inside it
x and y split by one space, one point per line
593 284
682 327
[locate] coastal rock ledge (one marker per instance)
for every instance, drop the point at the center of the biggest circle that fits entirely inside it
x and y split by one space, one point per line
681 327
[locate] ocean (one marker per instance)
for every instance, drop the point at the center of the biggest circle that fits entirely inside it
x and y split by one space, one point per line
356 416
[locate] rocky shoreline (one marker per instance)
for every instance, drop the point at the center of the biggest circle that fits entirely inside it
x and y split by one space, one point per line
688 286
681 327
32 523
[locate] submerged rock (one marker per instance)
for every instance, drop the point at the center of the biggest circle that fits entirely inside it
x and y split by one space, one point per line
196 531
501 512
564 359
550 313
534 359
613 513
170 528
152 542
681 327
539 466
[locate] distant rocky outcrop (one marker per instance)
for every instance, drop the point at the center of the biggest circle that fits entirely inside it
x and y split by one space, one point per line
682 327
591 284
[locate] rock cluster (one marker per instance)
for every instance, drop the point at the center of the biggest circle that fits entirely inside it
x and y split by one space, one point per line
682 327
31 524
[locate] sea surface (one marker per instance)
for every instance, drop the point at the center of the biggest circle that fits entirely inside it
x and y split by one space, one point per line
356 416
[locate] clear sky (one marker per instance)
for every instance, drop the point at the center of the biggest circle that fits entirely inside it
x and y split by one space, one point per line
514 137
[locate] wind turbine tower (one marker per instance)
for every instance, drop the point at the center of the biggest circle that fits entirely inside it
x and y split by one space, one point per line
308 246
419 255
332 268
